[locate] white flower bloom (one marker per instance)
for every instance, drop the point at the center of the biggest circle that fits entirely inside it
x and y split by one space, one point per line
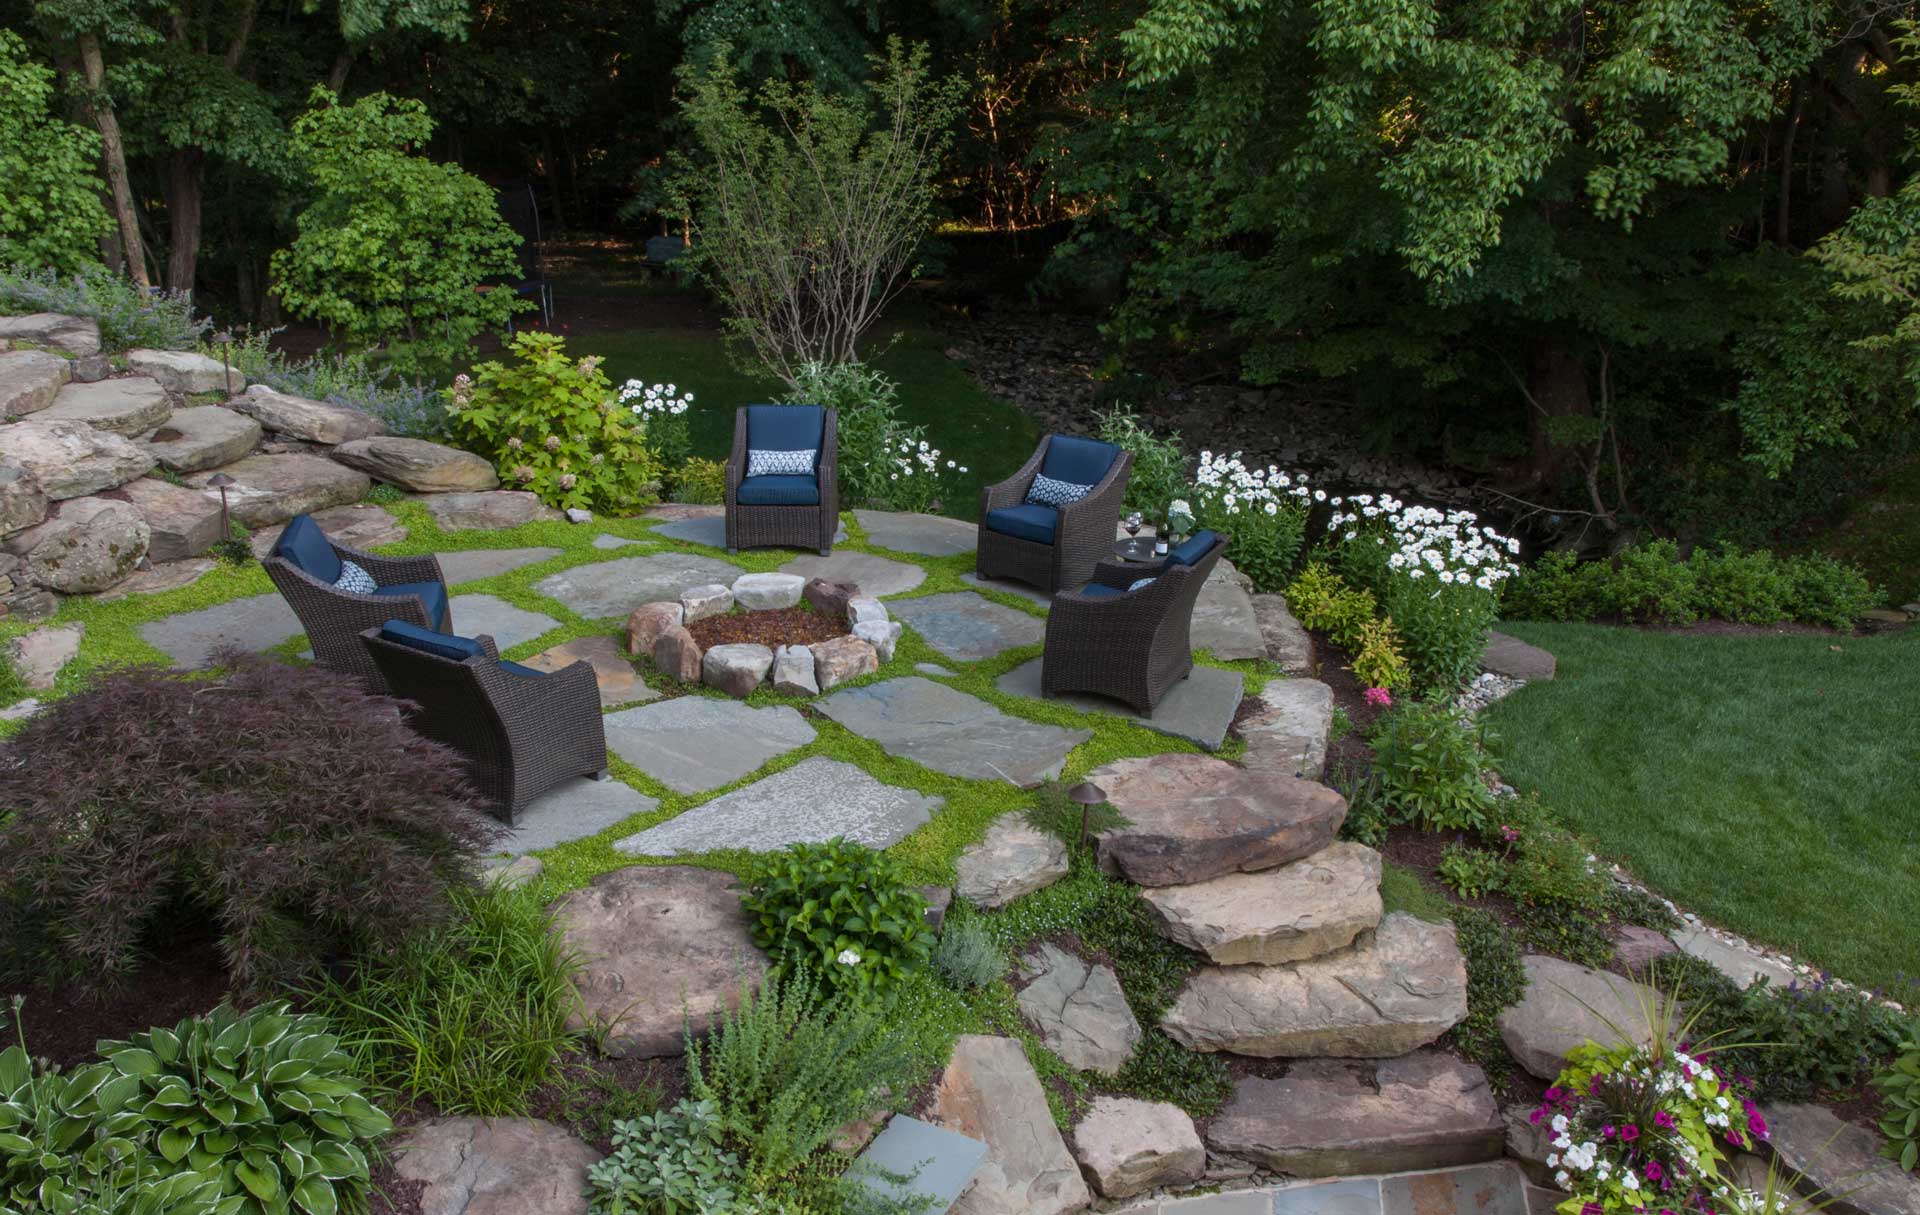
848 958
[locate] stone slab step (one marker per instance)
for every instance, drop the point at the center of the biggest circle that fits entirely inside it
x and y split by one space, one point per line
130 406
1291 913
203 437
29 380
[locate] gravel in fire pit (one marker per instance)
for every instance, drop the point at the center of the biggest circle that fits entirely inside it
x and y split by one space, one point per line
783 626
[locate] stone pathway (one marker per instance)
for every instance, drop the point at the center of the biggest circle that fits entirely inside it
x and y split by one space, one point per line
967 627
949 731
574 810
1198 708
475 564
258 622
811 802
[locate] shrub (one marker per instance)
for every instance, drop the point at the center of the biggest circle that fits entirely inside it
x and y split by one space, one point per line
471 1015
50 212
1430 762
1379 662
701 483
1829 592
287 808
1470 872
1749 587
1265 511
1368 815
128 319
1651 584
1631 906
840 909
1159 473
551 425
967 956
1572 932
1557 586
1899 1088
660 410
1495 982
343 379
868 405
671 1162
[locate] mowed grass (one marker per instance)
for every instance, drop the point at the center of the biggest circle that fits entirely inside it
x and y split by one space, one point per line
1770 784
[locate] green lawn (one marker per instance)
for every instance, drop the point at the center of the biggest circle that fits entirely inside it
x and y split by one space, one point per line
1767 783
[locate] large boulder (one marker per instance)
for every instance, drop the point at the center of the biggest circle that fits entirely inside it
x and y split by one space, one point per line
491 510
495 1166
130 406
202 437
273 489
989 1092
1389 994
84 545
1296 911
1126 1146
646 622
361 525
74 335
1193 817
29 379
22 502
418 466
1567 1005
301 418
1078 1009
1516 659
1287 730
185 373
72 459
1839 1164
1328 1118
182 522
661 947
1015 858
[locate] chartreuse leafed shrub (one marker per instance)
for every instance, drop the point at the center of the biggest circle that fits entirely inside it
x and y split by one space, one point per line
286 809
470 1015
841 910
551 424
1649 584
700 482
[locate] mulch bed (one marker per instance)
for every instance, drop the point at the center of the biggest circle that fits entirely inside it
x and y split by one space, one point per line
771 628
64 1021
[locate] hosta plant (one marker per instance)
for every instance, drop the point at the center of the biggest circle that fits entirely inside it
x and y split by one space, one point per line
842 910
1899 1087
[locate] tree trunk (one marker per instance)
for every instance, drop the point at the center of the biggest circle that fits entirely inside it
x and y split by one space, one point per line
1783 210
186 189
1558 388
114 153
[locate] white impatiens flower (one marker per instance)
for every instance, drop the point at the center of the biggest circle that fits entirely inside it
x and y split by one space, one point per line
848 958
1559 1124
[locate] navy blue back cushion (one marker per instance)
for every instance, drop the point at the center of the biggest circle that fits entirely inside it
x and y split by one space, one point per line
441 645
786 428
1081 461
304 546
1192 548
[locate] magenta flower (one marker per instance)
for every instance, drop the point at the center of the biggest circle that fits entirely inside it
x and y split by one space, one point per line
1654 1171
1663 1120
1629 1133
1757 1124
1555 1093
1593 1208
1379 698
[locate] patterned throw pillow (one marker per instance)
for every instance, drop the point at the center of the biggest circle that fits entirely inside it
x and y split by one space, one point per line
353 578
779 463
1048 492
1140 583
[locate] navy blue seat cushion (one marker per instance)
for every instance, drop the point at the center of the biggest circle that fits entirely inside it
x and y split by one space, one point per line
433 593
1080 461
304 546
1192 548
1027 521
786 428
779 491
1100 590
441 645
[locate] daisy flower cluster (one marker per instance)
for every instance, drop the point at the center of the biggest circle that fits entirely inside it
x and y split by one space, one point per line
914 483
648 400
1636 1130
1264 510
660 413
1421 541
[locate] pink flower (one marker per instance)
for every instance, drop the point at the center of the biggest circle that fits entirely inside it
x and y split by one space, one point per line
1379 698
1654 1171
1629 1133
1757 1124
1663 1120
1508 834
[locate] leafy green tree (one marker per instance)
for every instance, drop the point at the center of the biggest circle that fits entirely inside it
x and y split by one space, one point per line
395 248
50 210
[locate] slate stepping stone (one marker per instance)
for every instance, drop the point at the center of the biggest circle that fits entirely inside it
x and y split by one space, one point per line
1032 594
1078 1009
489 1166
1567 1005
1328 1118
605 541
873 575
619 683
1839 1163
472 565
940 1163
929 535
253 624
1287 730
487 510
1287 914
1193 817
1484 1189
574 810
1198 708
811 802
711 530
663 946
949 731
1014 859
506 624
1126 1146
1224 622
694 743
614 588
989 1092
967 627
1389 994
1516 659
129 406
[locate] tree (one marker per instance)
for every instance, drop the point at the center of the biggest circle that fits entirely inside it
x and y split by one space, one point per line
50 211
808 206
395 249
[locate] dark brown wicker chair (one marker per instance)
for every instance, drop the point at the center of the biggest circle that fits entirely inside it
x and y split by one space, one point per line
789 511
412 589
1130 645
1081 533
522 731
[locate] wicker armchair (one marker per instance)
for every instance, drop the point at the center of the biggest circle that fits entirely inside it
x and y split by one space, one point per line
1051 548
1130 645
522 731
796 511
304 565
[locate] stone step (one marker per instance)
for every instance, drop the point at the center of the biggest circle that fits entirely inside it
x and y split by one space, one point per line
71 459
132 405
1331 1118
29 380
301 418
203 437
1396 990
1567 1005
186 374
1839 1165
184 522
1287 730
989 1092
74 335
417 465
1300 910
273 489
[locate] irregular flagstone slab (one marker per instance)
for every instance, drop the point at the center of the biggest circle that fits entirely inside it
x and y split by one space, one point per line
488 510
471 565
1288 643
1015 858
506 624
605 541
1529 1143
253 624
619 683
1287 914
205 436
711 530
39 656
1636 948
1839 1162
417 465
929 535
164 576
873 575
128 406
1349 1196
1287 731
72 459
615 588
967 627
694 743
1078 1009
1744 966
495 1166
1032 594
574 810
1223 617
949 731
361 525
990 1092
1193 817
940 1163
511 873
1516 659
1498 1188
1392 993
1126 1146
75 335
186 373
183 522
811 802
1198 708
29 379
1326 1117
662 946
273 489
302 418
1567 1005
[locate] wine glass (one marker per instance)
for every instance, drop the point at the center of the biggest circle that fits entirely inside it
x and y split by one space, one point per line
1132 523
